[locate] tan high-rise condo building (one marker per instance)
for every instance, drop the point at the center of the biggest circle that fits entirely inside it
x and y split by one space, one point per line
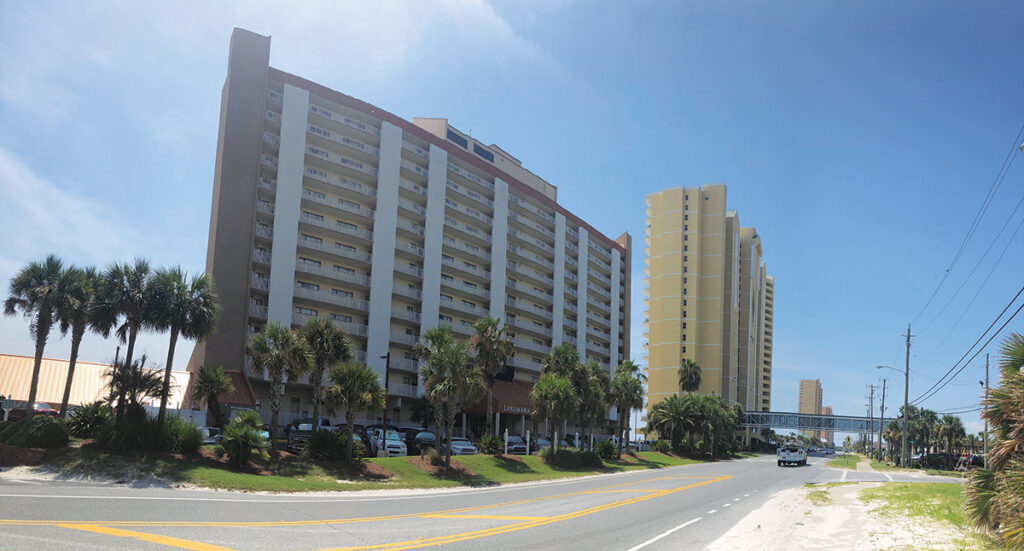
707 298
810 400
325 206
826 435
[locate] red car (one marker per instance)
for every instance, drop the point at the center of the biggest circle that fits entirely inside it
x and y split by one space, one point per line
40 408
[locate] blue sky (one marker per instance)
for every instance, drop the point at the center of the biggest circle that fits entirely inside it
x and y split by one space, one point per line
858 138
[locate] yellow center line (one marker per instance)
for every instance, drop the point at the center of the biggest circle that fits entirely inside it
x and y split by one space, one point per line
486 517
620 491
440 540
142 536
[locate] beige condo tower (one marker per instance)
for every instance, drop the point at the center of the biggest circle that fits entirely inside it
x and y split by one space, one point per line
708 298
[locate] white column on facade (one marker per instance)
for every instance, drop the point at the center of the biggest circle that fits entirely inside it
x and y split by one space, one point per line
499 250
437 174
558 299
287 204
581 300
385 223
614 347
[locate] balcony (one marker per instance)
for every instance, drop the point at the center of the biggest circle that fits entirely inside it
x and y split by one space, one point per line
531 208
415 188
333 274
522 221
598 348
528 290
343 140
338 181
268 160
271 138
338 204
569 339
407 315
415 168
263 231
599 250
414 294
321 222
402 389
410 248
259 283
328 297
412 207
334 249
470 176
405 364
273 117
458 306
600 306
467 229
468 211
570 307
530 273
531 257
409 270
532 346
599 333
349 328
597 289
452 244
339 160
265 207
268 184
466 268
415 150
570 323
261 257
469 193
342 119
523 363
528 308
529 326
463 287
403 338
599 319
527 239
257 311
415 229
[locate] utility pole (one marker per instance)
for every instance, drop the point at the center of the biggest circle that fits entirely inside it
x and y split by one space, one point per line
985 442
871 418
904 457
881 419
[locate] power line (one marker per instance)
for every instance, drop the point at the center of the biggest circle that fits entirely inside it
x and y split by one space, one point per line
977 217
994 335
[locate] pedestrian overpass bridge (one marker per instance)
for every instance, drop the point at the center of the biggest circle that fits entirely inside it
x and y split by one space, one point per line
805 421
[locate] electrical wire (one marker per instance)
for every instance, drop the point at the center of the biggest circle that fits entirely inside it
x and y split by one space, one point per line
977 218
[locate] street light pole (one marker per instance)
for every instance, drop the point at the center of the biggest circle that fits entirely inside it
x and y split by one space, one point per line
904 456
384 431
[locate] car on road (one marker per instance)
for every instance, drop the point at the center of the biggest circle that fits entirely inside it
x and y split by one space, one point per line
792 454
40 408
516 445
831 451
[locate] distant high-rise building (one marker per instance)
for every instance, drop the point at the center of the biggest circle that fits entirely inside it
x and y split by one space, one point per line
325 206
827 435
707 298
810 400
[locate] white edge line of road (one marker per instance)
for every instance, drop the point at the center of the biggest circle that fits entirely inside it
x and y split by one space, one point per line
887 476
843 478
664 534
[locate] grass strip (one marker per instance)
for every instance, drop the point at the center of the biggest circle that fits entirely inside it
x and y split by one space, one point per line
845 462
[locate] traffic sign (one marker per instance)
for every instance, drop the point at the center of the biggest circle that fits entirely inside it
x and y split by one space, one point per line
7 404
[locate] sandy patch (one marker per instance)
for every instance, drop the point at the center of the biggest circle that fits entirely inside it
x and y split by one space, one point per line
791 521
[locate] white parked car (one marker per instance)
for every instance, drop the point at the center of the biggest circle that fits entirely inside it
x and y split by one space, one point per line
395 444
792 453
462 446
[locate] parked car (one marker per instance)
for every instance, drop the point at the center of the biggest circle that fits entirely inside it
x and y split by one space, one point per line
516 445
421 441
409 434
40 408
394 444
462 446
369 443
298 435
538 444
211 435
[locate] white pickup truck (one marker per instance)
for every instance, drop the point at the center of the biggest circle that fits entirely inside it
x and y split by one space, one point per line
792 453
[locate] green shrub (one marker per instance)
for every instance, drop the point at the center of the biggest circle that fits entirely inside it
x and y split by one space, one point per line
249 418
135 431
606 449
41 432
181 436
8 429
86 421
491 444
663 446
571 459
326 445
218 450
436 457
240 440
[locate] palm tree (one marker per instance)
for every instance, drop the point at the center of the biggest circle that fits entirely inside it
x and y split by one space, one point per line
592 394
187 307
123 291
627 393
209 384
450 380
929 426
671 417
133 384
563 360
280 353
994 496
357 388
328 345
493 347
951 429
74 316
689 375
553 398
38 291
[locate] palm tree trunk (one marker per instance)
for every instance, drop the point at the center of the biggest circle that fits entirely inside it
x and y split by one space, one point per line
132 333
317 384
167 376
448 439
490 408
42 331
218 417
350 419
76 339
619 435
275 408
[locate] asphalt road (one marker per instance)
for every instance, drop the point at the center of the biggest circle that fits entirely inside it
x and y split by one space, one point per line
666 509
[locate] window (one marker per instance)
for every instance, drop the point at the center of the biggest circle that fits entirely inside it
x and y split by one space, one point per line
468 303
306 311
316 194
446 298
344 270
684 281
684 350
447 277
686 197
469 265
684 269
686 207
686 238
686 217
310 286
684 314
686 227
706 197
443 317
483 153
347 225
686 258
684 290
448 258
686 248
309 261
684 302
348 248
312 238
457 139
684 325
339 317
469 284
465 323
684 337
340 293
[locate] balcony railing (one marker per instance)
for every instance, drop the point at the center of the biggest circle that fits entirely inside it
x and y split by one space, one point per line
260 283
530 272
453 223
469 193
263 231
405 364
274 116
332 273
529 326
470 176
265 207
344 140
412 207
323 223
403 338
271 138
407 292
459 306
409 247
338 181
527 255
347 121
407 315
415 188
328 297
263 257
462 266
268 160
454 205
473 250
530 207
523 221
337 159
599 290
267 183
532 346
410 227
466 288
529 290
533 309
411 270
258 311
415 168
334 249
337 203
415 149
